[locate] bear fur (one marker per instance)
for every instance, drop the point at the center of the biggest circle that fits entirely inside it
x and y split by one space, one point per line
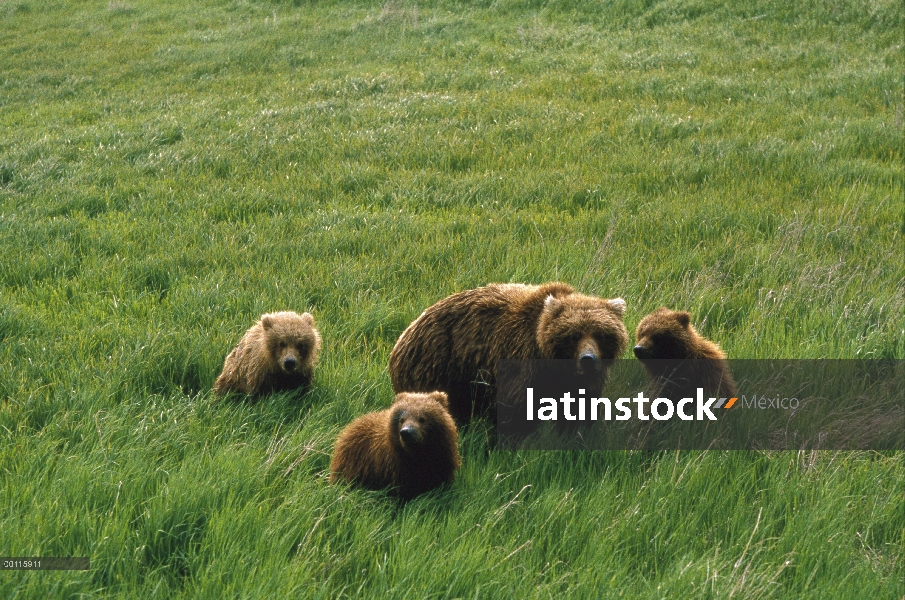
411 447
279 352
678 359
455 344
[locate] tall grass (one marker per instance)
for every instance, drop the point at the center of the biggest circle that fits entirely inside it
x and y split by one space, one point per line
168 172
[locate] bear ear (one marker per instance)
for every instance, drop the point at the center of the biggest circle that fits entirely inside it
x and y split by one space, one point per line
307 318
266 321
684 318
553 304
617 305
442 398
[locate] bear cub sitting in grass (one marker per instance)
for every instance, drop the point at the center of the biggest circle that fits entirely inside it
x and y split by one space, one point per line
277 353
678 359
411 447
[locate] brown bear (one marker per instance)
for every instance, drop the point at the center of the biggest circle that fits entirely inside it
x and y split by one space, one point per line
411 447
457 342
678 359
278 352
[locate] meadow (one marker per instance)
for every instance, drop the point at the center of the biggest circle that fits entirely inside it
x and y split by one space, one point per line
169 171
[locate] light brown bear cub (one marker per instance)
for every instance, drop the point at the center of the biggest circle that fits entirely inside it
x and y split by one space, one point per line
458 341
278 352
678 359
411 447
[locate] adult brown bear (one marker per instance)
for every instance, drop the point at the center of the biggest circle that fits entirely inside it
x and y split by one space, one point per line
457 342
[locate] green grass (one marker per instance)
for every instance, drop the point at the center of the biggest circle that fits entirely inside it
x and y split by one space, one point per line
168 172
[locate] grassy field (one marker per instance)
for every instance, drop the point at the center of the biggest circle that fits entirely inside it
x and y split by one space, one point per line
169 171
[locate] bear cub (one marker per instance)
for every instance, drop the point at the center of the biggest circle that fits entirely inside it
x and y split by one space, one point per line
455 344
411 447
678 359
279 352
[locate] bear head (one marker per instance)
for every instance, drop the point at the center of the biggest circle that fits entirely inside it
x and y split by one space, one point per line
292 340
586 329
664 334
419 421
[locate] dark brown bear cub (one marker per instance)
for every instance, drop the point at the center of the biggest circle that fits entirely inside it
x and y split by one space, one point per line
678 359
278 352
411 447
457 342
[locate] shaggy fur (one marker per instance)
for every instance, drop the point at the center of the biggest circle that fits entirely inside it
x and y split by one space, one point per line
458 341
411 447
279 352
678 359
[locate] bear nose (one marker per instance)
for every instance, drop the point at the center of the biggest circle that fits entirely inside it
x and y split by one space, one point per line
289 364
640 352
588 363
408 434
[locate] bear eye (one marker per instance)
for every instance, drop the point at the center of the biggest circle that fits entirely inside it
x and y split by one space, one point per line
567 345
604 342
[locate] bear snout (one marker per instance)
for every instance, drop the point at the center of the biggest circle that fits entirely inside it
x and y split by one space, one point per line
289 364
588 355
589 363
409 435
641 353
